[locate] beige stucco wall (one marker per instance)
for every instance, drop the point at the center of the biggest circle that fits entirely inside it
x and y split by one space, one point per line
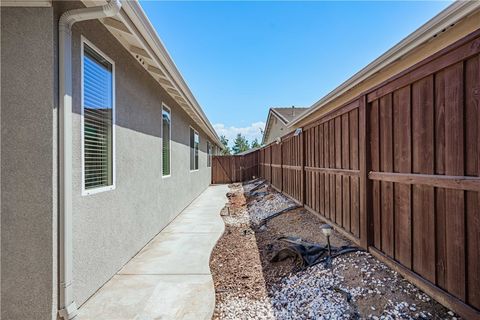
457 32
111 227
28 162
276 129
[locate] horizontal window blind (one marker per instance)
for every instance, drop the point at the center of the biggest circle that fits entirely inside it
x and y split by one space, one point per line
166 125
97 120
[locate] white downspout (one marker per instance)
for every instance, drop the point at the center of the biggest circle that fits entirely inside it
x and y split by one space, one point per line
67 306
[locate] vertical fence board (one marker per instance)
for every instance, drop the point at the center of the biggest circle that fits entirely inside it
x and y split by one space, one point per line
472 143
423 196
326 132
316 184
320 139
441 216
338 165
346 179
386 157
376 189
388 171
354 165
365 221
402 164
454 206
331 177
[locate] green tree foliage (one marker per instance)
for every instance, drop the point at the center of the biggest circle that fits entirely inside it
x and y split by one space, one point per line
255 143
226 149
240 144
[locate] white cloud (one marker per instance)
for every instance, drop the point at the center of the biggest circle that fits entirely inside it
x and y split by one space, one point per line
251 132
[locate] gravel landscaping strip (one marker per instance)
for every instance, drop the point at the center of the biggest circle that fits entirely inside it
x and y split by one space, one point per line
267 205
248 286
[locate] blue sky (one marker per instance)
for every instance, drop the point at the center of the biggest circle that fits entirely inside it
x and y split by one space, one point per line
241 58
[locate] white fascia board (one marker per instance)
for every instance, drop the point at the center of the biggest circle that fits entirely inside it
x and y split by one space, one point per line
136 14
268 124
450 15
279 116
265 132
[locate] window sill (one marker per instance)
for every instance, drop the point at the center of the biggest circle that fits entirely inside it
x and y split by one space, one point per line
97 190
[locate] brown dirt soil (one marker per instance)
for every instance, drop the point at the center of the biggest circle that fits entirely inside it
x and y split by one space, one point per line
240 264
235 262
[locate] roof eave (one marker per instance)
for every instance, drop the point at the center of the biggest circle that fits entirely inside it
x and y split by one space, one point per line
159 63
267 126
265 132
279 116
141 21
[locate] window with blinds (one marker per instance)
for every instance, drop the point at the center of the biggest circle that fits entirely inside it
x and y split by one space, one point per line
166 132
97 120
194 144
209 154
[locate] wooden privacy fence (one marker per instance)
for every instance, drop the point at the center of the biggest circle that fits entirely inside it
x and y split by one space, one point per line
229 169
397 170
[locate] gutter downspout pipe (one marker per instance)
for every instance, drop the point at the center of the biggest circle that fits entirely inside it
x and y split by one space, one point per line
67 306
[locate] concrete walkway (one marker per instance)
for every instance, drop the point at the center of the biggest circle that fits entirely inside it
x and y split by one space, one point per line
170 277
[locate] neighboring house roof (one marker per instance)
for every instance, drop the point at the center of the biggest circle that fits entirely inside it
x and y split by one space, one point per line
132 28
288 114
284 114
430 30
248 151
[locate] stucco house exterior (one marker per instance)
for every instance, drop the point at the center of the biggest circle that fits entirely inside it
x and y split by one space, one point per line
277 122
102 145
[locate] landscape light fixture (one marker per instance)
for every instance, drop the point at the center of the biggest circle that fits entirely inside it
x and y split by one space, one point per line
327 231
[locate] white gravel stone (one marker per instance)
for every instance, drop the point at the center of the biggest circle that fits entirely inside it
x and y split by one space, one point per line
268 205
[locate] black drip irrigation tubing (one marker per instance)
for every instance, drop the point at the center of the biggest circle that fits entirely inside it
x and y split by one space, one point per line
261 184
310 253
276 214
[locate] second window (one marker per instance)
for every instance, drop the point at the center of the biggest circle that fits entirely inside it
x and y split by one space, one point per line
166 140
194 144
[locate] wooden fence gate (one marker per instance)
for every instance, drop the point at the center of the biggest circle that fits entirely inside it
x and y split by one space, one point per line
230 169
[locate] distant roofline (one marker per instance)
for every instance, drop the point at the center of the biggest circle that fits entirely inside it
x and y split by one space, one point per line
285 121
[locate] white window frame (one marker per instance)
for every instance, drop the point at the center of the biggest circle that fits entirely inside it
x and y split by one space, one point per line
164 106
86 192
209 153
195 131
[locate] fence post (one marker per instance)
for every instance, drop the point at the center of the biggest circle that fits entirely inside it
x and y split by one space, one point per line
366 228
281 165
242 168
302 163
271 161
